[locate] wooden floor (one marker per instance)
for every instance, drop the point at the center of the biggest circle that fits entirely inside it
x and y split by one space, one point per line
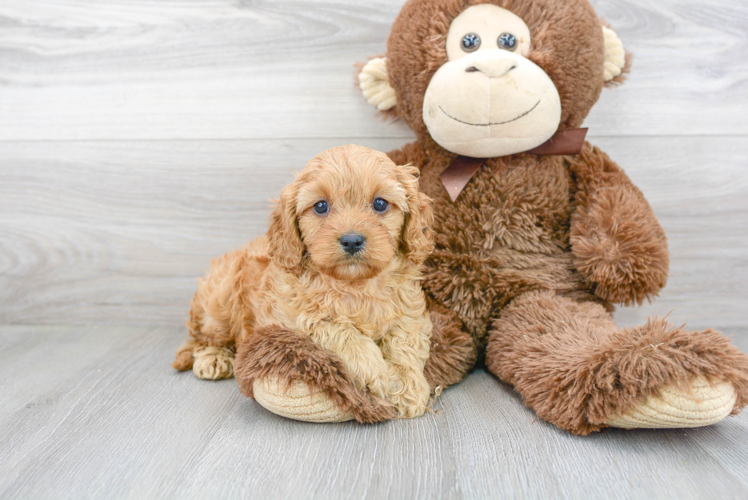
138 139
96 412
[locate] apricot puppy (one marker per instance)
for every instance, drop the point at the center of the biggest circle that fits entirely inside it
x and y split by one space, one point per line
341 264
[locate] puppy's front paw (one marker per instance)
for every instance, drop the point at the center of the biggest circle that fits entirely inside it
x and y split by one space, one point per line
409 392
369 371
213 363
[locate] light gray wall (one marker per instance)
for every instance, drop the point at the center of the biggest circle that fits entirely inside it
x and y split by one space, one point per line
140 139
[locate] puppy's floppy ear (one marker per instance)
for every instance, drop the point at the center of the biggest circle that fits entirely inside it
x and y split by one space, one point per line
284 238
418 239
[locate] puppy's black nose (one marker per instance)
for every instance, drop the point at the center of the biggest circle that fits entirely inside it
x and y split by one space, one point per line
352 242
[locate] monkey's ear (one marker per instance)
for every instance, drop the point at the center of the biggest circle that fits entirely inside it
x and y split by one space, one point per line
375 84
617 61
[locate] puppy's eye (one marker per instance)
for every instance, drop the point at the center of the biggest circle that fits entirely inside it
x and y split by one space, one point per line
507 41
380 205
470 42
321 207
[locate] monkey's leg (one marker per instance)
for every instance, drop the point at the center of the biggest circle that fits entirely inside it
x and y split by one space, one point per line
290 375
580 372
452 353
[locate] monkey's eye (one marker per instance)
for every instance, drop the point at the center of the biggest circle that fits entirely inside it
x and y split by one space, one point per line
470 42
321 207
507 41
380 205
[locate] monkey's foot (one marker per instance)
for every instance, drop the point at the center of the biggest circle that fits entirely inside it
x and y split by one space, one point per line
579 371
672 407
297 401
291 376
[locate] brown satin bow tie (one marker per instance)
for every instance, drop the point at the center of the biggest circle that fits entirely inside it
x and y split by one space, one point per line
463 168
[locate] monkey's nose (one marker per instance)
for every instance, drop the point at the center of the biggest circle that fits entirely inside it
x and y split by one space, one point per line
492 68
352 243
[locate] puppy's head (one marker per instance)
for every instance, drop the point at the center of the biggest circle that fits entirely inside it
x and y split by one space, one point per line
349 212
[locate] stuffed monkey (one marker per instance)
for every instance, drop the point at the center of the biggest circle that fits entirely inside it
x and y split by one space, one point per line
538 233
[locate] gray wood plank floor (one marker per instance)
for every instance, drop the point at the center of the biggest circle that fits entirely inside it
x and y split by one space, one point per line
102 415
138 139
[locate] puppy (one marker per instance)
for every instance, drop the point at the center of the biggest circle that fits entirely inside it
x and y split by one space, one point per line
340 263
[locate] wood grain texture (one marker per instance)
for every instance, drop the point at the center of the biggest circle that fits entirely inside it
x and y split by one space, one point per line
118 422
224 69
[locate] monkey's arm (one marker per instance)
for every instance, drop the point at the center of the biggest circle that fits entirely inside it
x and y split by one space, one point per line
618 244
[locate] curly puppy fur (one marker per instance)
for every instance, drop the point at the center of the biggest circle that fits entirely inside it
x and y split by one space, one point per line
366 311
536 250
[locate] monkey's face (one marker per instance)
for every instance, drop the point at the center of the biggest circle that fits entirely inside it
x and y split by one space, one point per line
489 99
487 78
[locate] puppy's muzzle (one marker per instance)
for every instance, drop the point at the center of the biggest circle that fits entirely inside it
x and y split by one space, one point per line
352 243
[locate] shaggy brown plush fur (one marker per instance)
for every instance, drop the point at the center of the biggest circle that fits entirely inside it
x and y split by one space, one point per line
576 368
536 249
453 352
293 357
618 244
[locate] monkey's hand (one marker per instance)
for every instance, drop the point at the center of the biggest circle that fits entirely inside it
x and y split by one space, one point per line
619 246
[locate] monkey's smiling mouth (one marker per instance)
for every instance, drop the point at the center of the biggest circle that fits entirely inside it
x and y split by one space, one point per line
491 123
